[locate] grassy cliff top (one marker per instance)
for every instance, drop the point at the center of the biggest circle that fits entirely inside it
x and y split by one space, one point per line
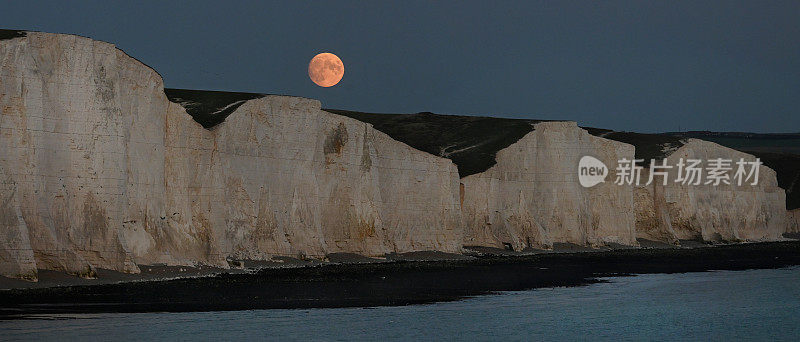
648 146
11 34
209 108
763 142
787 168
471 142
780 152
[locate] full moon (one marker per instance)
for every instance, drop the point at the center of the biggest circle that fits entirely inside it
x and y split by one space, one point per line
326 69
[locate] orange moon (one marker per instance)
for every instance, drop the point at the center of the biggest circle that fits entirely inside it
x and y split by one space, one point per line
326 69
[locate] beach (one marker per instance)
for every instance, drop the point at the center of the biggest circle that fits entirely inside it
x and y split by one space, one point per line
388 283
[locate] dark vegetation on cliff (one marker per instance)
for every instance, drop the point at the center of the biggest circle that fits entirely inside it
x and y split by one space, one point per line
471 142
11 34
648 146
787 167
209 108
765 142
780 152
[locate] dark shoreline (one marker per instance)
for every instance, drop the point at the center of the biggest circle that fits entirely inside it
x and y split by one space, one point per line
388 283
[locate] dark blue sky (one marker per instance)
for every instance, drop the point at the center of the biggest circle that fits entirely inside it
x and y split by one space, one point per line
626 65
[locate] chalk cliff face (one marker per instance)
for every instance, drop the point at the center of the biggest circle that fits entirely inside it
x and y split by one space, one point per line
794 221
16 255
532 197
726 212
282 177
68 142
100 170
652 214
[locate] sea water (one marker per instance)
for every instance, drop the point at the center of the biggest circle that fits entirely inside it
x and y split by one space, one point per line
719 305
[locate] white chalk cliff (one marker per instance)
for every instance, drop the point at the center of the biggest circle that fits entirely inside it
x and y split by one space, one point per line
98 169
708 212
794 222
532 198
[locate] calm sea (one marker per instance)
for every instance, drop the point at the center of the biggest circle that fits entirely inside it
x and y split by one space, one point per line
723 305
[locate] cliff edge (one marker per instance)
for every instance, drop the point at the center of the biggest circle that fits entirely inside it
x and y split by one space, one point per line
101 170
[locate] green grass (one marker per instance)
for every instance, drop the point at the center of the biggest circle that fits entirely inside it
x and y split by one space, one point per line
209 108
648 146
471 142
787 167
782 142
11 34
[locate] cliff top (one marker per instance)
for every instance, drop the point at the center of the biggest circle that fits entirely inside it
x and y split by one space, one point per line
764 142
209 108
780 152
11 34
471 142
648 146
